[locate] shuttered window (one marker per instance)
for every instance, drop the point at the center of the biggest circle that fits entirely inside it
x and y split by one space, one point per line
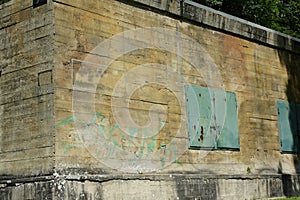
212 118
288 124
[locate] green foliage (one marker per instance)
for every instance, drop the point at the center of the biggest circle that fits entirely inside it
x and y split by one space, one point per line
289 18
281 15
216 4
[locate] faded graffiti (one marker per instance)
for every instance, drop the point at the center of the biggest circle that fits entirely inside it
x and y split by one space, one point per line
117 143
118 140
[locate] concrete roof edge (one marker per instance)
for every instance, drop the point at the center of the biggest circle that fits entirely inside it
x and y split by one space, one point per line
190 10
240 20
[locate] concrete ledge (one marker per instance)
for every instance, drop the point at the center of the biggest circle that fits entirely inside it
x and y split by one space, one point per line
192 11
13 180
150 186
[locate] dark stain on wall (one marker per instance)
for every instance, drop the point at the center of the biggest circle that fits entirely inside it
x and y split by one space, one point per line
30 190
37 3
199 188
291 60
4 1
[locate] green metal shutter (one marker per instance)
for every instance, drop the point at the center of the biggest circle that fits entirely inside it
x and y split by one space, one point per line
229 137
287 123
207 136
199 116
193 116
212 118
219 113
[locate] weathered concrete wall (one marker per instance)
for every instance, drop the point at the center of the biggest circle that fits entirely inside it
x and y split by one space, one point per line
25 189
72 124
26 88
258 74
256 66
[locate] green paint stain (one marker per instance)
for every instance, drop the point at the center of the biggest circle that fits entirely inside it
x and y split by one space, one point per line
151 145
115 142
97 116
66 121
66 147
122 140
142 149
167 150
101 129
84 123
172 149
133 132
162 161
162 124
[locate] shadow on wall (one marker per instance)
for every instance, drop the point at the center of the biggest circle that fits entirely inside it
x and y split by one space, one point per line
291 59
4 1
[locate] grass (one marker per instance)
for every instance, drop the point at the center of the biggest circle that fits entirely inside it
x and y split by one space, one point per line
291 198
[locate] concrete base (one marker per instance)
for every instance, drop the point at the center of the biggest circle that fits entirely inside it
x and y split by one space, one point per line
150 187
